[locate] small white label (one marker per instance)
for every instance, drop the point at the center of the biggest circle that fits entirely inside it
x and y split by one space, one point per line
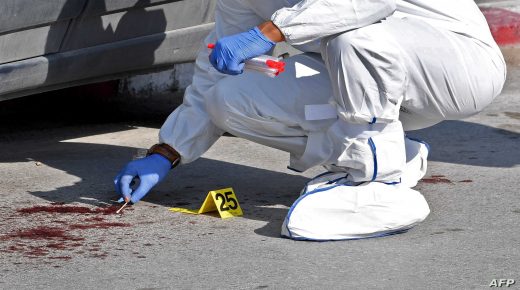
320 112
303 71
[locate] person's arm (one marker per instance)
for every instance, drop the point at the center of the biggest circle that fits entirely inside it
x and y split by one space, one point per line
187 134
189 128
271 31
311 20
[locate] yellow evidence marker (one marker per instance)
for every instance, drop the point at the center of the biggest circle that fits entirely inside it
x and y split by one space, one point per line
224 201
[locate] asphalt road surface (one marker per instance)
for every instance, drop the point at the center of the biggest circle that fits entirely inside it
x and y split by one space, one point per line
58 155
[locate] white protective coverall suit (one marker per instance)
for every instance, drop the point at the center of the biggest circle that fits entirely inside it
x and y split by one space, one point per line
385 66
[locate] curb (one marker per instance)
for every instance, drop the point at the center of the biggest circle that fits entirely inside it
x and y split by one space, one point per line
505 27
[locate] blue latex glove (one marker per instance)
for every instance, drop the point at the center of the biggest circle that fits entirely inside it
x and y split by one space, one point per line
150 170
230 52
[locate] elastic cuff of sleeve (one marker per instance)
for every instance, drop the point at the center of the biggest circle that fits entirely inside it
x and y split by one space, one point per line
279 23
263 37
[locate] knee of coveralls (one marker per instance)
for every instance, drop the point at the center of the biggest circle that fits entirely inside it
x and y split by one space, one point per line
368 81
220 104
239 106
232 108
367 73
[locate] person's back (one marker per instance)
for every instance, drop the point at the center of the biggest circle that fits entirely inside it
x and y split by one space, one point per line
460 16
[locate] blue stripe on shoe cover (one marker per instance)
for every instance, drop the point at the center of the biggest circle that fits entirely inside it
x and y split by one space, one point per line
380 235
337 179
315 177
373 147
393 183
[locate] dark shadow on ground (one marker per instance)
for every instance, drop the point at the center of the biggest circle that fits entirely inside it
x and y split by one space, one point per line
33 127
97 164
467 143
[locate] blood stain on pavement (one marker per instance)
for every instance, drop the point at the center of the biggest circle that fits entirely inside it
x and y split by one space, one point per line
41 233
61 258
41 240
100 225
435 179
35 252
95 219
55 209
57 246
69 209
110 210
101 255
58 240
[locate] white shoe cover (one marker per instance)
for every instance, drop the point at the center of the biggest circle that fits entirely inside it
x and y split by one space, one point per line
416 162
334 210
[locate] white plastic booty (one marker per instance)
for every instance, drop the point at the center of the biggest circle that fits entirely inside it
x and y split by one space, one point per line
416 162
330 209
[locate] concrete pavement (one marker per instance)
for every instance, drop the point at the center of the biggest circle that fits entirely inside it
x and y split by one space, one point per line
58 157
470 238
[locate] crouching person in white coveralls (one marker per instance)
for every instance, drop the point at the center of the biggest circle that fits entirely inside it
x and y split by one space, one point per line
370 71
